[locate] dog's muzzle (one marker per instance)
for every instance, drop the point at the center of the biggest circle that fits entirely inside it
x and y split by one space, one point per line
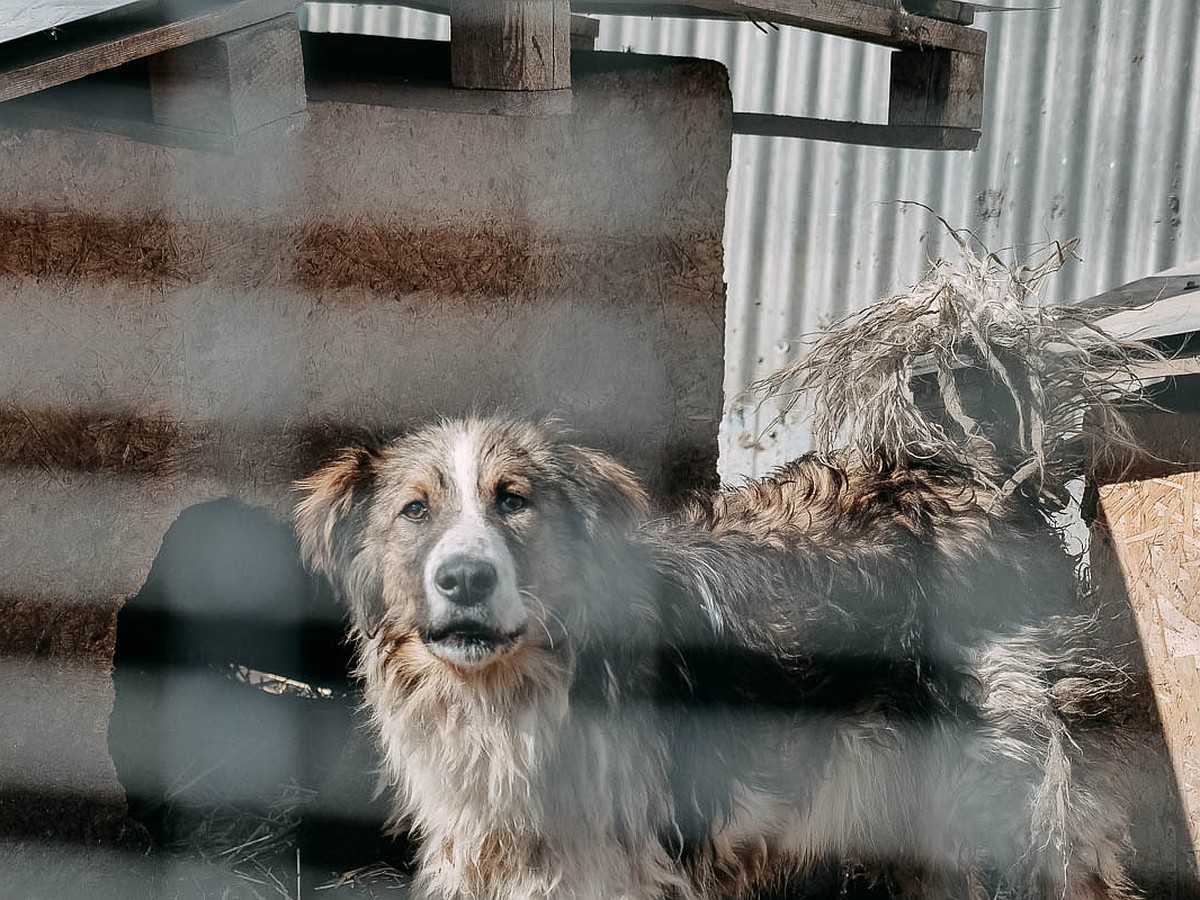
469 602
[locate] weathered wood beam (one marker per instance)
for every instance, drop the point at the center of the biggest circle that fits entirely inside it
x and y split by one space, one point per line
946 10
512 45
584 32
845 18
1162 286
920 137
233 83
34 65
936 87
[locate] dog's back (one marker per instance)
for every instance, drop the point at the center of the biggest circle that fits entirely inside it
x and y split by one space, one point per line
880 669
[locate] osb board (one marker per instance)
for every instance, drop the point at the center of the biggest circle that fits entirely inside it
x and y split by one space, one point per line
55 697
177 326
1154 528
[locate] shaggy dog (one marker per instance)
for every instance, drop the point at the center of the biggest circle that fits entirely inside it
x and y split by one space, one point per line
853 661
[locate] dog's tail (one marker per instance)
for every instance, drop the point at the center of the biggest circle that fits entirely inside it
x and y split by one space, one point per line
970 368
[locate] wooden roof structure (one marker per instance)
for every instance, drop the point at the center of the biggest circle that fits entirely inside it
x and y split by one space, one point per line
1162 309
936 79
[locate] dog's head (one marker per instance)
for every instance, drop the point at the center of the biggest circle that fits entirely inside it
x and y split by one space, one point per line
466 537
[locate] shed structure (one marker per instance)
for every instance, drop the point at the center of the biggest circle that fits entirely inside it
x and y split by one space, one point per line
226 249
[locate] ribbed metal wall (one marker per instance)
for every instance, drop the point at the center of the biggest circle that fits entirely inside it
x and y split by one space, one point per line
1091 130
386 21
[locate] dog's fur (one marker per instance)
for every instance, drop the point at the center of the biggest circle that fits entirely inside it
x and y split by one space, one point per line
850 662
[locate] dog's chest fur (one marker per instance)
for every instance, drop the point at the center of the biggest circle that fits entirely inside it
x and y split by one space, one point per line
516 794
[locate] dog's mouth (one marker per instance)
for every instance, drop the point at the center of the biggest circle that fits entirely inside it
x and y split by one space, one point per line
469 645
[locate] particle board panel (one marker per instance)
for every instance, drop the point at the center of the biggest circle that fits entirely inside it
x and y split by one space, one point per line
1146 551
1154 527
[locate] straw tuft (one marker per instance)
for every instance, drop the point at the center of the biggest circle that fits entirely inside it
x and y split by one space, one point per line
972 369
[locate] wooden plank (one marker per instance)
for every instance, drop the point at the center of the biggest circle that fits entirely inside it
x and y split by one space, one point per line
946 10
653 9
1150 545
912 136
1181 279
124 41
29 113
233 83
845 18
584 31
936 87
39 17
1156 319
511 45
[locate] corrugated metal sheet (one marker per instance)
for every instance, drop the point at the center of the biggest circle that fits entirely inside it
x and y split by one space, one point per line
366 18
1092 130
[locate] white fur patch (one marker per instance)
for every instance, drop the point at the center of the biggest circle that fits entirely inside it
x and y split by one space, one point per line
470 533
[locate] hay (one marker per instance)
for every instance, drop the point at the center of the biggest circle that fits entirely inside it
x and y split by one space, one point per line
1053 382
365 878
76 246
257 847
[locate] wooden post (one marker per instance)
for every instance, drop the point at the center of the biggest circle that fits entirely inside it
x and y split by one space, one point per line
510 45
233 83
936 87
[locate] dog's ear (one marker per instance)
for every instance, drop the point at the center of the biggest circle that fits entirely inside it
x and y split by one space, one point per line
606 492
330 519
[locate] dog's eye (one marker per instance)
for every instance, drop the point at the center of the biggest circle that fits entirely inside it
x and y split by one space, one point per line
508 502
415 511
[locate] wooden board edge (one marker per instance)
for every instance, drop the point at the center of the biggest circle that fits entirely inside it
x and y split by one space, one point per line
54 69
916 137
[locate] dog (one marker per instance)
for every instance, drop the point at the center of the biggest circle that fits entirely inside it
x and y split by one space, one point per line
854 663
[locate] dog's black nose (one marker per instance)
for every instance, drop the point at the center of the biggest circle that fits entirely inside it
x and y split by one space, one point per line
465 580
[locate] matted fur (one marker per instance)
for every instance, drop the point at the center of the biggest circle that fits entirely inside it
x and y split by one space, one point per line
853 662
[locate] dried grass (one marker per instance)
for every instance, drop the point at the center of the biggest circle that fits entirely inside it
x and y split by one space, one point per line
1053 380
257 848
227 850
376 875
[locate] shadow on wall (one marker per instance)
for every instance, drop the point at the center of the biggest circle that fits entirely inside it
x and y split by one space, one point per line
234 730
